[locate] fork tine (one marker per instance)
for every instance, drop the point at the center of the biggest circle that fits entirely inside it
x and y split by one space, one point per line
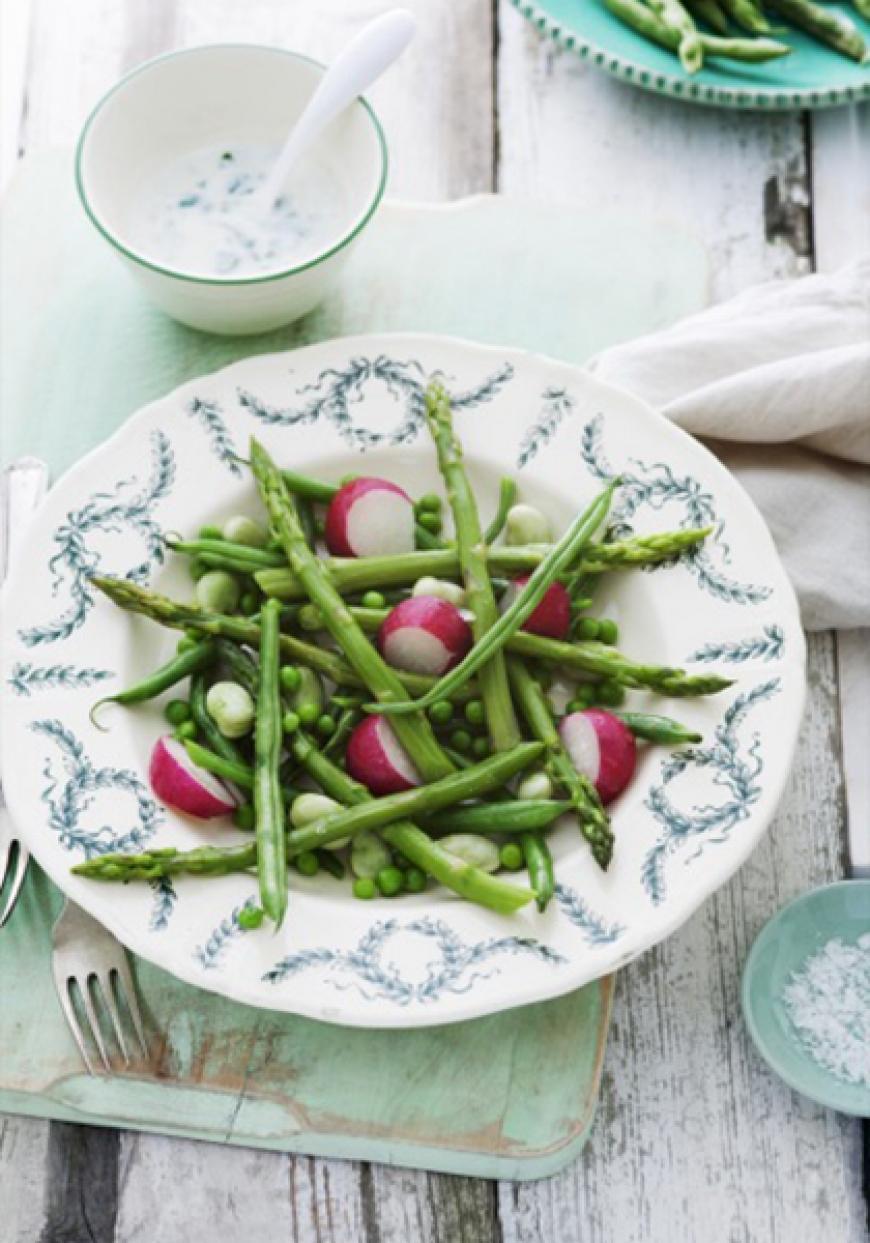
103 985
17 881
72 1021
127 990
88 1003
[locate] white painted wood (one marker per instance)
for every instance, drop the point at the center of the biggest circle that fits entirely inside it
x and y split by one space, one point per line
569 131
841 184
23 1149
14 48
853 660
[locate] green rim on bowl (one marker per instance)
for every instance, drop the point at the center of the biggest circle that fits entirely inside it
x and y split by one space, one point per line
225 280
814 76
799 930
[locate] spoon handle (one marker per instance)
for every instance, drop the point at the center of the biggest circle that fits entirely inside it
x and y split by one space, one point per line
364 59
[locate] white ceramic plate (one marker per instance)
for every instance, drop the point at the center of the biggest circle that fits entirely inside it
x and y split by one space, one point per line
684 826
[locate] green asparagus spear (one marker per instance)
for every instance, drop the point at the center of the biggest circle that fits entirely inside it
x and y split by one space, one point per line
414 733
593 819
268 800
136 599
235 770
831 27
471 550
353 575
168 861
657 728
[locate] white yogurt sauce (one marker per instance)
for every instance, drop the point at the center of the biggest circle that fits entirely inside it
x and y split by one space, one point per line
192 215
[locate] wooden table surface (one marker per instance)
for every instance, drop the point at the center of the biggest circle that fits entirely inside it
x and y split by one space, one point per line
695 1139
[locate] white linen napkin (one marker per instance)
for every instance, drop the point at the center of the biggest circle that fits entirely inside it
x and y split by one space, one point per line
777 382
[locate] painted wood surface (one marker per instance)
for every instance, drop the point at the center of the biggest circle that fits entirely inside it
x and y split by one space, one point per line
695 1139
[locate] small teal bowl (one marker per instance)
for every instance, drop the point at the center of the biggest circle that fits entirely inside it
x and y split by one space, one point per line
800 929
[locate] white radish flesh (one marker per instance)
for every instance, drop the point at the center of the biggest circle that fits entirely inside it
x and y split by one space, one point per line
424 634
181 784
376 758
370 517
602 747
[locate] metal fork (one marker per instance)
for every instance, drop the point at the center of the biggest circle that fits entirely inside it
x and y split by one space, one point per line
22 487
86 955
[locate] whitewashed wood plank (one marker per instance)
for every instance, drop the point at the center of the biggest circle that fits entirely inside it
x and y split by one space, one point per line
696 1138
571 132
23 1151
853 661
14 50
841 184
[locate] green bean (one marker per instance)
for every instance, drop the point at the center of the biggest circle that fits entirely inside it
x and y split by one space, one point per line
647 23
344 727
507 494
310 489
237 771
268 801
539 862
710 12
747 15
306 521
331 863
833 28
181 666
206 726
658 728
674 14
239 665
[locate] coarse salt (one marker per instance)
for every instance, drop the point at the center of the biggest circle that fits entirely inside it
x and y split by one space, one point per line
828 1002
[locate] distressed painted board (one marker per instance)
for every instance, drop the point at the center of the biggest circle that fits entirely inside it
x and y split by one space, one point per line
746 192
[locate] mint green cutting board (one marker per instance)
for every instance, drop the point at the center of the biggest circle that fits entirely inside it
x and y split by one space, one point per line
508 1096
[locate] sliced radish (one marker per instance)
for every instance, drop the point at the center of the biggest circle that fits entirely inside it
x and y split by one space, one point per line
181 784
552 617
376 758
602 747
424 634
370 517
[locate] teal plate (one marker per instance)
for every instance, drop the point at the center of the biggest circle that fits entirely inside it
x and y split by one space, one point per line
813 76
840 910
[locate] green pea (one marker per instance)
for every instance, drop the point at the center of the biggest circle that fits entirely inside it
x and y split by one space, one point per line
430 522
374 600
307 863
177 711
325 725
389 881
441 712
245 817
210 532
250 917
197 568
587 628
460 740
584 697
611 693
364 887
187 729
249 603
242 530
415 880
608 631
291 678
429 502
474 712
290 722
218 592
511 857
185 643
480 748
308 713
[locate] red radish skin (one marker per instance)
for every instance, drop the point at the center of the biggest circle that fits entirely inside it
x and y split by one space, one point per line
370 517
375 758
552 617
425 634
181 784
602 747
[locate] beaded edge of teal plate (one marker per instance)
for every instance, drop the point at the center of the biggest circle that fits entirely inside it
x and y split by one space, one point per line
595 35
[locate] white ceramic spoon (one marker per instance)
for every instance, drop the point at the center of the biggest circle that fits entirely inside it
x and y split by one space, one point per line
360 64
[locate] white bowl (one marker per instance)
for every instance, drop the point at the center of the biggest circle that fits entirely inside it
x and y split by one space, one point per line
233 94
